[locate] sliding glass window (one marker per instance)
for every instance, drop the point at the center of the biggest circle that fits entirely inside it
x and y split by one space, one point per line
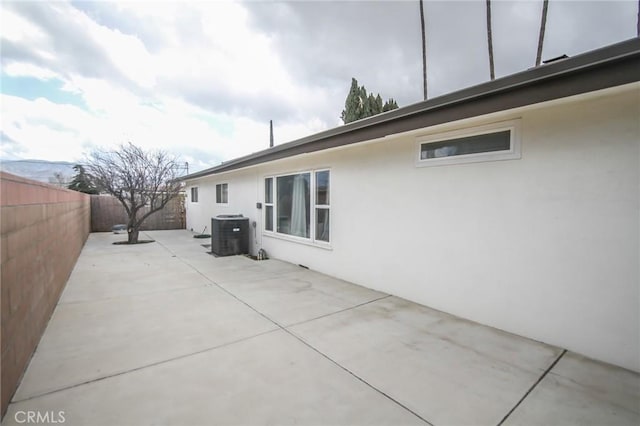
292 204
298 205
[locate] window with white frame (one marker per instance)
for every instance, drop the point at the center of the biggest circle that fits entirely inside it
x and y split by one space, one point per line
222 193
268 204
194 194
498 141
322 206
298 205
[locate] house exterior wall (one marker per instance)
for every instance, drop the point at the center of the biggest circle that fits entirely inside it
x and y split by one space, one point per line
43 230
242 198
545 246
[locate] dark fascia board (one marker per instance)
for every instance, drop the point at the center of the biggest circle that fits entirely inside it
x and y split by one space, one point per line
603 68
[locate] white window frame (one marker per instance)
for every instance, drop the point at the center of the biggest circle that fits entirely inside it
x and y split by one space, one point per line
317 207
312 206
514 153
268 204
192 198
222 185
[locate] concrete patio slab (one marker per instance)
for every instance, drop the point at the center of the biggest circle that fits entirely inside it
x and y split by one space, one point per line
104 270
580 391
226 269
240 269
300 296
271 379
91 340
175 336
448 370
285 293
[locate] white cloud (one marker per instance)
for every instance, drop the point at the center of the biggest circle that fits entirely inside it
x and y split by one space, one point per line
116 114
202 79
23 69
126 52
45 129
15 28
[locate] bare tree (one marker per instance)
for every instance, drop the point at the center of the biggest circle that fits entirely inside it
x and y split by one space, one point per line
144 182
543 25
424 51
490 41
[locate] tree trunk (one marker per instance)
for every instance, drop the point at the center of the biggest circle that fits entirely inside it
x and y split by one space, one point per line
132 234
133 228
543 25
492 73
424 51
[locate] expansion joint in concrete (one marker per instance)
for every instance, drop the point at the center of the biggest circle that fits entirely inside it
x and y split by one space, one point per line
553 364
301 340
142 367
340 311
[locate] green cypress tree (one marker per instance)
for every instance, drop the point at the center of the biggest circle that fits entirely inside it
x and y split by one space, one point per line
360 104
82 181
389 105
351 104
370 106
364 104
379 104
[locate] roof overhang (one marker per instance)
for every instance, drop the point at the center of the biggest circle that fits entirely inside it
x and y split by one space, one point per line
604 68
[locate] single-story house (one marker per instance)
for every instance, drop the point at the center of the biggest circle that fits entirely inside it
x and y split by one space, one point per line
513 203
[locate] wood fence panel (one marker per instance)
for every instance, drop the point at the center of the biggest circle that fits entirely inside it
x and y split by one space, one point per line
107 211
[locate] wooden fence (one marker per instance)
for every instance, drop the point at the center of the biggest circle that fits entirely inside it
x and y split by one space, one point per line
107 211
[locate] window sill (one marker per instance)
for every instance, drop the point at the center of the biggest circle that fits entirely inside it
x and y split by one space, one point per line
298 240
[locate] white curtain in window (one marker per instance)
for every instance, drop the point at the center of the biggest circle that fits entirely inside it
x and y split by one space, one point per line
324 235
299 207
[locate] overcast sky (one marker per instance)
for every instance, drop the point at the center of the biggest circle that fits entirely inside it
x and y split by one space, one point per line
203 79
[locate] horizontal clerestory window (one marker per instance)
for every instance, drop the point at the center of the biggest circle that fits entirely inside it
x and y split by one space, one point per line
498 141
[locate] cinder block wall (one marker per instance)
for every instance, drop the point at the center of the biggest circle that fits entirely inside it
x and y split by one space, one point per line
43 229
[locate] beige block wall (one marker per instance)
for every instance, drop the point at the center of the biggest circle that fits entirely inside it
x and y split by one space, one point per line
43 229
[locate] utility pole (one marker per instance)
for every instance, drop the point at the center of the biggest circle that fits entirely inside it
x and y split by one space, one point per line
424 51
492 73
270 133
543 24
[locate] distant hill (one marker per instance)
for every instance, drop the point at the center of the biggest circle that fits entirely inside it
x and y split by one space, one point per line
54 172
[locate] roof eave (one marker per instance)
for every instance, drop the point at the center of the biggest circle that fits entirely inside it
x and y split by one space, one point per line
606 67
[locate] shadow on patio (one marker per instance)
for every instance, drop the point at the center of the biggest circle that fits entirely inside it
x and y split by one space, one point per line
164 333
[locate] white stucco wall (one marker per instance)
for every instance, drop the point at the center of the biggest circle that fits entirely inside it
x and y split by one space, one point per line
545 246
242 197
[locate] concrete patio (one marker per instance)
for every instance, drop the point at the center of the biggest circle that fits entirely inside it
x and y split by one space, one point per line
166 334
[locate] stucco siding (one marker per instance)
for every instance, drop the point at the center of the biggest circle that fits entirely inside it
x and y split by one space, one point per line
545 246
242 198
